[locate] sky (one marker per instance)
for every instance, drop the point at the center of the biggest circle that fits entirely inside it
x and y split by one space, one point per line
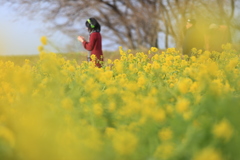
21 36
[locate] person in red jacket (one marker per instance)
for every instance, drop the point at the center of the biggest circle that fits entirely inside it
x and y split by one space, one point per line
94 45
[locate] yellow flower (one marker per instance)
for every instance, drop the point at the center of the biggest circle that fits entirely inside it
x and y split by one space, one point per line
131 86
169 109
147 67
169 58
199 51
171 85
123 58
110 131
71 68
121 51
194 50
82 100
141 81
232 64
155 57
164 69
227 46
164 151
42 55
217 87
125 142
223 130
44 40
159 115
130 57
155 65
67 103
93 57
182 105
95 94
165 134
154 49
208 154
171 50
40 48
27 61
184 62
193 58
97 109
176 58
153 91
111 90
109 61
187 115
112 107
184 85
194 87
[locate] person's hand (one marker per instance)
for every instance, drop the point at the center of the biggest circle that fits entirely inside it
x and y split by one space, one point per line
81 38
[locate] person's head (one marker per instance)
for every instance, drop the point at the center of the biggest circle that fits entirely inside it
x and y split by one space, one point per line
190 23
93 25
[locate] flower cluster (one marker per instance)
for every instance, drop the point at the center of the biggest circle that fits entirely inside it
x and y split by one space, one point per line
154 105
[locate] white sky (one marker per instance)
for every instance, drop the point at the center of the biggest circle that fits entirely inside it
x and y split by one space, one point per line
21 36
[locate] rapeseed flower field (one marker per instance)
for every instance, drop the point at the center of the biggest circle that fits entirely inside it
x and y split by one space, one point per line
142 106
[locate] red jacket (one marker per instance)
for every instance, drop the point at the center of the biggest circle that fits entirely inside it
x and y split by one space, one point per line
95 46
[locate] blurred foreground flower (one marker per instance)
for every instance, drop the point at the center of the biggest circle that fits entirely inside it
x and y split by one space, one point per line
154 49
208 154
44 40
223 130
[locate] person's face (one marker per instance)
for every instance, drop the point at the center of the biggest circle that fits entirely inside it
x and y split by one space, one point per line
87 29
188 25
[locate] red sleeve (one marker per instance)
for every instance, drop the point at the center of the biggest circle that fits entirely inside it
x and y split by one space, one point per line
89 45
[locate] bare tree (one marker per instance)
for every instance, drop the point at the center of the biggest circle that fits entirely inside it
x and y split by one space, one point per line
131 23
174 14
